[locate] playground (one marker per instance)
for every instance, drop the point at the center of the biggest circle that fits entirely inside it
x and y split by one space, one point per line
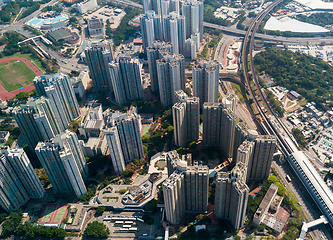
53 214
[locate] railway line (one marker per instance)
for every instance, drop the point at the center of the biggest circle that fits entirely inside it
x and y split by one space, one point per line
272 124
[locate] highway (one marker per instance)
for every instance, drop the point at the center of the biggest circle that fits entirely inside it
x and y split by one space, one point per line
272 124
233 31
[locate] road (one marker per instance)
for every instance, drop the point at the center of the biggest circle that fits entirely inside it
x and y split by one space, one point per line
310 210
72 64
233 30
274 125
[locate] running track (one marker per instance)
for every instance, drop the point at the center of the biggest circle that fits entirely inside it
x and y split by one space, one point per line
4 95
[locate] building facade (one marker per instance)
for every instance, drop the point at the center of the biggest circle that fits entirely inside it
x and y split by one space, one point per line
64 163
98 55
154 53
219 127
231 196
174 31
261 163
205 77
197 184
37 121
123 134
19 181
125 74
59 90
171 77
174 197
193 10
151 28
186 119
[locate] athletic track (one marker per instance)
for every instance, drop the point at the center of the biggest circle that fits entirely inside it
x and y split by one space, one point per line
4 95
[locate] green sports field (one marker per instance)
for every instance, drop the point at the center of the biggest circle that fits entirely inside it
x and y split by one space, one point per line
60 214
15 75
48 214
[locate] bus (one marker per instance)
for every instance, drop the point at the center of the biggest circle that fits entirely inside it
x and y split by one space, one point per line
288 178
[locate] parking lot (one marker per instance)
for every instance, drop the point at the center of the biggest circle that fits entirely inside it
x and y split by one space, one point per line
143 229
114 15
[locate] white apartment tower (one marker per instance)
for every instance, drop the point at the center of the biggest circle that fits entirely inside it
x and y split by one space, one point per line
171 77
193 10
59 90
174 197
205 78
37 121
219 127
19 181
155 52
174 31
151 28
123 134
126 79
231 196
186 119
98 55
64 163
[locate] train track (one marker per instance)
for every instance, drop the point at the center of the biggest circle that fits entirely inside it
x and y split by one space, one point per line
266 122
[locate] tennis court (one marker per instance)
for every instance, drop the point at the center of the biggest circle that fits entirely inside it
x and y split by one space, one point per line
53 214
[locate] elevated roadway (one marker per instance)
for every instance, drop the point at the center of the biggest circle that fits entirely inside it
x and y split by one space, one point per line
229 77
273 125
235 31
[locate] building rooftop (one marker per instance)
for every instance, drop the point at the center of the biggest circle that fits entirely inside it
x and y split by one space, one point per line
3 134
266 201
59 34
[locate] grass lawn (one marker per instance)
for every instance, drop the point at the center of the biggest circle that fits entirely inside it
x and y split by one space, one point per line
16 75
239 92
3 64
27 56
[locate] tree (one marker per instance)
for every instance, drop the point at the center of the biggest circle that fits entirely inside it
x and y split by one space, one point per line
193 145
100 209
96 229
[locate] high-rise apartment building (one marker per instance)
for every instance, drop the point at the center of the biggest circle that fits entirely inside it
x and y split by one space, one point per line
245 156
186 119
219 127
186 189
205 77
154 5
174 194
151 28
37 121
171 77
155 52
98 56
126 79
174 31
231 196
59 90
64 163
19 181
116 154
193 10
241 132
190 49
230 101
123 134
197 182
261 163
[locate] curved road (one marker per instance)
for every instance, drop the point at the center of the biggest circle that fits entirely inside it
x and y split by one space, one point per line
310 212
